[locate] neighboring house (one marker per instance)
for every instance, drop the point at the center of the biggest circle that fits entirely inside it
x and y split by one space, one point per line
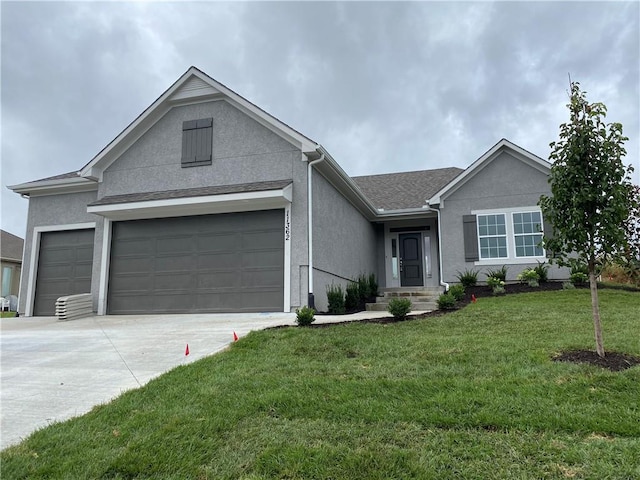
11 248
206 203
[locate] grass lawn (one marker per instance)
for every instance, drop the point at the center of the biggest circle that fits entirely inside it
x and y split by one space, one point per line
472 394
7 314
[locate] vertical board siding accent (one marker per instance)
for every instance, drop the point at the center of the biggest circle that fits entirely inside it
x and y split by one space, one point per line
197 136
470 233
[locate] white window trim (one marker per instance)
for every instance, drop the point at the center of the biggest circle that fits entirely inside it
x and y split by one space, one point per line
511 243
506 235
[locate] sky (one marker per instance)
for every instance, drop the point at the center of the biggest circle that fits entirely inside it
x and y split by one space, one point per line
383 86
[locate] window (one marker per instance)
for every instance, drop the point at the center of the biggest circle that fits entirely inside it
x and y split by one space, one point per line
527 232
512 235
6 281
492 233
197 142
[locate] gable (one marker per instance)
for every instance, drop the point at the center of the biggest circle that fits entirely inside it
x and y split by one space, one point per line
242 151
193 87
508 175
504 181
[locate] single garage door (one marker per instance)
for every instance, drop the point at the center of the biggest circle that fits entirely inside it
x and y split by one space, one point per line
207 263
64 268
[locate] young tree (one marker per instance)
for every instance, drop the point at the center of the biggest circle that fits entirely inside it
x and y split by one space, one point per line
591 193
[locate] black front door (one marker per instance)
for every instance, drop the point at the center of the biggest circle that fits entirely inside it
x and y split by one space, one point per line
411 260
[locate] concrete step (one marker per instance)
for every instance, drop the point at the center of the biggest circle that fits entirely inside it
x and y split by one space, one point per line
415 306
411 290
413 298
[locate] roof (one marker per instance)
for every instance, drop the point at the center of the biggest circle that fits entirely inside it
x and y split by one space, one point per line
399 191
11 246
57 177
192 192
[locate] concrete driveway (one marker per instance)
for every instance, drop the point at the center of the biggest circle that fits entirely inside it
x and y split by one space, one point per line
51 371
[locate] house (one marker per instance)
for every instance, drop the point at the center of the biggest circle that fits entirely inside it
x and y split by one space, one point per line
10 263
206 203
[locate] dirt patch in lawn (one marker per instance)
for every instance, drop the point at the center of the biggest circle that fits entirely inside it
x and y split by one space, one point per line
613 361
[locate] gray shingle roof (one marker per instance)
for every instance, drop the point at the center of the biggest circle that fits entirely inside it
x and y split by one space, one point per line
11 246
192 192
57 177
396 191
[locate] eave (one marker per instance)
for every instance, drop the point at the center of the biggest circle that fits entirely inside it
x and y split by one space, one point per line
55 187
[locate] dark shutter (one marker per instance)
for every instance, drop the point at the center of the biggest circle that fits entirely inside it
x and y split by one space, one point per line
470 232
548 235
197 142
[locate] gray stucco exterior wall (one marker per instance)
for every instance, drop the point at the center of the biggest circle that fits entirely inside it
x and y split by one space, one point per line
59 212
243 151
345 243
505 182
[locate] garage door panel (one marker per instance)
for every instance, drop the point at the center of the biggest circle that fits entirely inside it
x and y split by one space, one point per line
266 259
261 278
174 263
170 282
85 254
131 284
174 245
217 242
217 263
64 267
133 247
221 279
132 265
260 239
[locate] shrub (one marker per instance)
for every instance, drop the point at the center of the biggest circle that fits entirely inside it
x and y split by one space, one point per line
352 301
399 307
305 316
363 288
579 278
579 267
497 285
468 278
457 291
568 286
335 298
500 273
373 285
543 272
529 276
446 301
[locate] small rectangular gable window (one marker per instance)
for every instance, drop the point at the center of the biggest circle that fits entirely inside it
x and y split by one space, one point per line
197 139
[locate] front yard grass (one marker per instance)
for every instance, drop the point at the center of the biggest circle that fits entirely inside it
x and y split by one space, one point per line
472 394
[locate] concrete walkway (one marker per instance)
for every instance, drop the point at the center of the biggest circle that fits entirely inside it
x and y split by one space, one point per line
51 371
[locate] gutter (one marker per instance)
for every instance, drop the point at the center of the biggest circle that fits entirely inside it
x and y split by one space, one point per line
442 282
310 298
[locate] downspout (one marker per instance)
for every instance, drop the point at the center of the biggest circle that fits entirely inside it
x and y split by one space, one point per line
310 298
442 282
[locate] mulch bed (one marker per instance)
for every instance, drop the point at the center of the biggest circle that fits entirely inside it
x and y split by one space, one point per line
613 361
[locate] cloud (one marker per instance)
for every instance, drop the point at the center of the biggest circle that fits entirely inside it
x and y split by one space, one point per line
383 86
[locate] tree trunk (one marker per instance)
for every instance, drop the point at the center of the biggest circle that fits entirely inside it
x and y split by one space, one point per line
595 307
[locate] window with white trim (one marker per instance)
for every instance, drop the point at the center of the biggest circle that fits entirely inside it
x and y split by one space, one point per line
509 235
492 235
527 234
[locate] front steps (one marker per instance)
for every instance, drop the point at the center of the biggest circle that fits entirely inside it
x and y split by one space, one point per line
422 298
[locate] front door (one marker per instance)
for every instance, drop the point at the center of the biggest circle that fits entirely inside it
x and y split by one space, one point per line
411 260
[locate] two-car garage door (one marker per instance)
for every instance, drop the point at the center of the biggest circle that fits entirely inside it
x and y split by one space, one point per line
208 263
